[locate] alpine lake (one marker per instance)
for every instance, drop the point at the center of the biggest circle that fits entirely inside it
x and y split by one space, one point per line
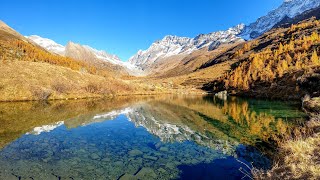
143 137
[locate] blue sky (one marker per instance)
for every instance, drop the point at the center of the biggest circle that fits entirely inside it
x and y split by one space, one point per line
122 27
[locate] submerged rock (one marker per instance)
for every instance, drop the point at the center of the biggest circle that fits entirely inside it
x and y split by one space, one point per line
150 157
118 163
161 170
146 173
128 177
90 167
158 145
106 159
164 149
94 156
170 165
135 152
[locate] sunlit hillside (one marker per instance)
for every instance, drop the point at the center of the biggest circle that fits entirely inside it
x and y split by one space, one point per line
283 63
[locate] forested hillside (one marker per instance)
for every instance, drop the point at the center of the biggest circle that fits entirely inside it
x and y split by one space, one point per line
283 63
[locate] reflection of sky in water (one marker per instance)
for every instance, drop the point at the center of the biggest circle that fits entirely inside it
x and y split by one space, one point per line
109 150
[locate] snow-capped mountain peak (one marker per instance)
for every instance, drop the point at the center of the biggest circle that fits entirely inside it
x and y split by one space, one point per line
174 45
290 8
48 44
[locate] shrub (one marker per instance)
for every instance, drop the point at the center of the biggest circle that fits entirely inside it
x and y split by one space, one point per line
92 88
60 87
41 94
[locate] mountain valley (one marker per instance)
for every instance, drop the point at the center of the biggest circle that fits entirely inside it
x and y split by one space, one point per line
173 64
251 71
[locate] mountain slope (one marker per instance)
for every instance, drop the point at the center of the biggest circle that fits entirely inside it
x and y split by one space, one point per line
290 8
174 45
281 64
29 72
7 32
99 58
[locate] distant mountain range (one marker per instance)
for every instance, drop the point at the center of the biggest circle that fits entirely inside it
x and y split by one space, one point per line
170 46
78 51
173 45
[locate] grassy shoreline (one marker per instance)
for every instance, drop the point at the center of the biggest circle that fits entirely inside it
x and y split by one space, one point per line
299 157
107 96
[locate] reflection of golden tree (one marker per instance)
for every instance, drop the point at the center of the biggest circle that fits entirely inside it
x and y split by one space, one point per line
262 125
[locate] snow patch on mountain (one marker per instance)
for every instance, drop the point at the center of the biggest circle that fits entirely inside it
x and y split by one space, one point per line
48 44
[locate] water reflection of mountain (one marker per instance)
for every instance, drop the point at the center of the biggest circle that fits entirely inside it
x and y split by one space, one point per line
174 124
208 121
212 122
19 118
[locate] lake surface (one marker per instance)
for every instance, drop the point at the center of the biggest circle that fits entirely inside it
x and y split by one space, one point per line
154 137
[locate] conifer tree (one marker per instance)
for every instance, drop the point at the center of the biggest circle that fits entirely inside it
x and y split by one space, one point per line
314 58
280 48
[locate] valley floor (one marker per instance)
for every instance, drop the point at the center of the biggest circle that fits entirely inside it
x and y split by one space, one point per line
24 81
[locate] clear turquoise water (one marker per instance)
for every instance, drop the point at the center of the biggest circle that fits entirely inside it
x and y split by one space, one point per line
151 138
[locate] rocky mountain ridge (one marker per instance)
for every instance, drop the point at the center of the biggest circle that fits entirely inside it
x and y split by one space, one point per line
161 51
174 45
290 8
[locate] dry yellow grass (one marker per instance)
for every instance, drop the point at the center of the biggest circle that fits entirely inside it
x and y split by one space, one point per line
303 156
21 80
298 159
184 84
